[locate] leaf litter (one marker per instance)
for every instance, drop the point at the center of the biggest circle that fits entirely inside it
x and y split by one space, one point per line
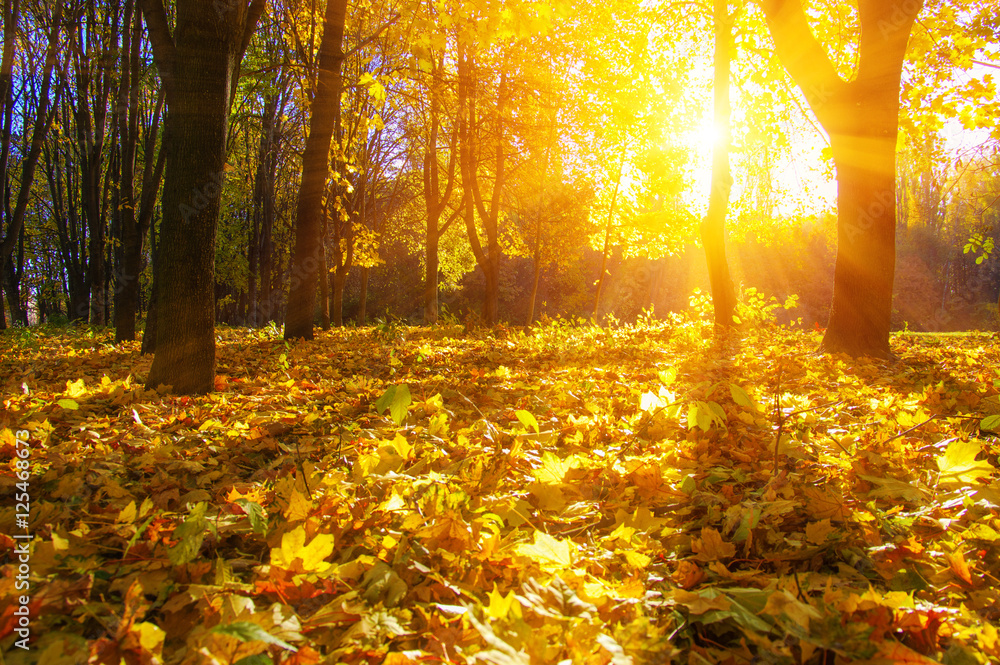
559 494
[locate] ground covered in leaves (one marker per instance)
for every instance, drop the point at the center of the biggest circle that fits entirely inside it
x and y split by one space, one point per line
564 493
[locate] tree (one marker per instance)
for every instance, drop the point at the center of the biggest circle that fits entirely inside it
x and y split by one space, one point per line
861 117
134 211
315 173
713 226
199 63
472 140
12 220
435 200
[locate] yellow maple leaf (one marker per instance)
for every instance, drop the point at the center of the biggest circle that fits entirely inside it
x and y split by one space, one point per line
298 507
297 556
958 464
816 532
75 388
549 497
637 559
500 605
553 468
548 551
711 546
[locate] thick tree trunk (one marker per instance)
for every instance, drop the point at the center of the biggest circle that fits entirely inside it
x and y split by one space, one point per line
713 227
861 117
197 121
315 172
11 287
860 318
198 68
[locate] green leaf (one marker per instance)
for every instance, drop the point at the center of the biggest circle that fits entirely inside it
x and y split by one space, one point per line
990 424
256 659
396 399
741 397
68 404
245 631
527 419
190 534
255 513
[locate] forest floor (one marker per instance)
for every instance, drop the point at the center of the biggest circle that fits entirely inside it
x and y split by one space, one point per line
564 493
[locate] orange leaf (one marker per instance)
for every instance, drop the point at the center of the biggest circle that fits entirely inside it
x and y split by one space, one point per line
956 561
711 546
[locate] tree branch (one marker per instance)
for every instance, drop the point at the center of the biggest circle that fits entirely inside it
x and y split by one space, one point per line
802 55
162 42
254 12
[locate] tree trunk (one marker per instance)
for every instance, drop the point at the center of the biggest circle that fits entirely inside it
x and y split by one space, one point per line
487 258
860 318
324 281
433 262
10 226
149 334
135 213
607 240
713 227
339 281
198 66
435 200
861 117
315 172
536 271
363 305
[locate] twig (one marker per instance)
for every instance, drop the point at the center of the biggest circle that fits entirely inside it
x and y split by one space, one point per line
934 417
781 421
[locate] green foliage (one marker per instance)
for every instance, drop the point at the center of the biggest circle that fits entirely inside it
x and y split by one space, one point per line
396 400
755 309
980 247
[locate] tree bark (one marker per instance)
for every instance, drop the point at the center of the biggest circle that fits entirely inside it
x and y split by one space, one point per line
363 304
861 118
713 227
435 200
149 334
135 213
315 172
198 65
607 241
488 258
324 280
